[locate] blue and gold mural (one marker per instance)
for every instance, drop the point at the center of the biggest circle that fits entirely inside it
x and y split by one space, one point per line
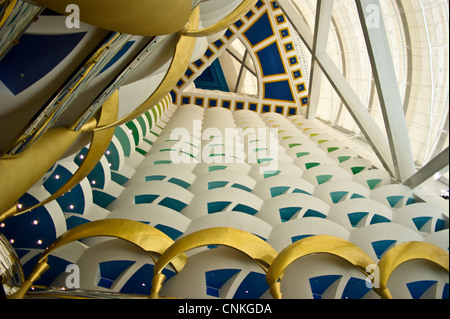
267 35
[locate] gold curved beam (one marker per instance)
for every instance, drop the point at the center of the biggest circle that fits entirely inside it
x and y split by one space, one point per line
99 144
20 173
226 22
406 252
138 17
251 245
10 4
315 245
180 62
50 118
144 236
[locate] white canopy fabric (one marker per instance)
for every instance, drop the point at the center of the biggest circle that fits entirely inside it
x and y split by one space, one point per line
418 37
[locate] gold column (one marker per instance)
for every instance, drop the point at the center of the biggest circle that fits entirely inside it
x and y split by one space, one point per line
180 62
139 17
20 173
221 25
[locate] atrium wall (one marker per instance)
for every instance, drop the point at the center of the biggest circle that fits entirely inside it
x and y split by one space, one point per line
319 186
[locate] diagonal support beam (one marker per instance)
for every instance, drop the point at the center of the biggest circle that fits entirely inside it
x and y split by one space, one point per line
380 56
434 166
353 103
240 82
324 11
375 137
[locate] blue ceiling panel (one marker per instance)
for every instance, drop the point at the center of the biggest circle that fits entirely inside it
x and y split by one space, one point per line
34 57
270 60
252 287
57 266
70 202
118 56
169 231
418 288
382 246
141 281
35 229
48 12
279 90
111 270
319 285
260 30
356 288
216 279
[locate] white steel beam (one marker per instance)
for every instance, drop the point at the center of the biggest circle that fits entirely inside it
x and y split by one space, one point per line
324 11
380 56
293 13
356 108
375 137
435 166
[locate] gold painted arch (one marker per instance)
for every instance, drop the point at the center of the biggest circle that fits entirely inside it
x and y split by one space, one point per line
100 142
235 15
147 238
183 53
409 251
321 244
252 246
139 17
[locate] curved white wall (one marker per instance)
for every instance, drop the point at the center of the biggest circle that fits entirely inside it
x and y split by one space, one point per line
331 191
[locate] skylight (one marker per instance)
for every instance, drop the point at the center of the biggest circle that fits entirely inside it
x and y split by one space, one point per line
244 79
417 32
